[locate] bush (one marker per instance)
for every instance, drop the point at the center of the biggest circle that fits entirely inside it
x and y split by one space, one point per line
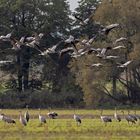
38 99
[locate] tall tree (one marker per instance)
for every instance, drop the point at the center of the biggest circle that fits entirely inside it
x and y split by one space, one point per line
26 17
86 9
111 11
97 81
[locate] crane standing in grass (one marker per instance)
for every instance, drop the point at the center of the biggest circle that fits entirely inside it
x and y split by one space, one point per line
137 116
42 119
116 116
26 115
105 119
133 116
129 118
77 119
22 119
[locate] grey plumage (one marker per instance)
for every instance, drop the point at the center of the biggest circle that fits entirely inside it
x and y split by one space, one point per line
50 50
87 46
111 57
26 115
116 116
122 39
77 119
33 42
132 115
6 37
42 119
7 119
136 115
71 41
85 21
68 50
119 47
95 65
129 118
125 64
22 119
5 61
52 115
108 28
102 53
105 119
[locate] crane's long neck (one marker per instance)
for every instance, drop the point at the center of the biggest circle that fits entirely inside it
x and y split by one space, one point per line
101 112
123 113
49 109
128 112
27 108
74 111
115 110
20 115
39 112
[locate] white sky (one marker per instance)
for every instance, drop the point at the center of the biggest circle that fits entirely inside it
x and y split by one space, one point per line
73 4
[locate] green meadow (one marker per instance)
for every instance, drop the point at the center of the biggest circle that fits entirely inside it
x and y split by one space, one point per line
65 127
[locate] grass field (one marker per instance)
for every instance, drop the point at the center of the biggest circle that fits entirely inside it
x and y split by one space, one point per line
65 128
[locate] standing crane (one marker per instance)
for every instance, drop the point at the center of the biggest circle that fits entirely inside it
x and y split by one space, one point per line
42 119
77 119
133 116
116 116
129 118
105 119
26 115
22 119
136 115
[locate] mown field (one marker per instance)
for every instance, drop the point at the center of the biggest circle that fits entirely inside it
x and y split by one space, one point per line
65 128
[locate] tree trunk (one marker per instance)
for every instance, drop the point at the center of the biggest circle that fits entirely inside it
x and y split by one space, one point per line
114 85
23 61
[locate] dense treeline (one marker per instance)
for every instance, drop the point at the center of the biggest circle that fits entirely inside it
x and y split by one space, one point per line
122 85
66 82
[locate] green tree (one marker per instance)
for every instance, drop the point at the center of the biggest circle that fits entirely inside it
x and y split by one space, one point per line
85 9
127 17
26 17
96 83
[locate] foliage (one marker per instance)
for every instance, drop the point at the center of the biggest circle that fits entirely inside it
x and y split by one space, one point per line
94 81
51 80
25 18
85 10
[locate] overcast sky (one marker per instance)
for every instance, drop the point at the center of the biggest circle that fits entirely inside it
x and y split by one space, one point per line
73 4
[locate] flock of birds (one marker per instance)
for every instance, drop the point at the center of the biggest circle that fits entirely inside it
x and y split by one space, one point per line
70 47
133 118
130 118
25 119
70 44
